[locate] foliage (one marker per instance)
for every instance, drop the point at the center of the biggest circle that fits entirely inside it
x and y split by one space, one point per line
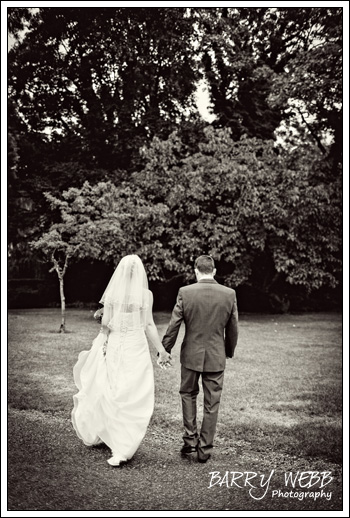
104 81
243 203
105 222
263 221
240 51
309 91
59 251
53 242
17 20
12 157
108 77
87 88
106 95
264 66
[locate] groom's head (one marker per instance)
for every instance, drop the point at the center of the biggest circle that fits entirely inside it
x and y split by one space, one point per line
204 265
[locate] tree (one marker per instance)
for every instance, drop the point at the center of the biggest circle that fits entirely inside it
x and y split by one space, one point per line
53 245
255 209
106 95
87 88
267 65
237 70
110 78
264 220
102 222
87 223
309 90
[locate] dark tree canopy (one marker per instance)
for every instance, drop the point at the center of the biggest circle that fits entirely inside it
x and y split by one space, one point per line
265 223
265 65
107 96
106 80
109 78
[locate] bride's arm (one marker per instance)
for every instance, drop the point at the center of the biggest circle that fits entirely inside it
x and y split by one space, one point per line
105 320
152 333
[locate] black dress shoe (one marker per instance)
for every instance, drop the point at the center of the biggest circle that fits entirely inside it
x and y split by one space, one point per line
203 460
187 450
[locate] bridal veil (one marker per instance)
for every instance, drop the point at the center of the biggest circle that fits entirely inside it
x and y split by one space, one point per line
126 298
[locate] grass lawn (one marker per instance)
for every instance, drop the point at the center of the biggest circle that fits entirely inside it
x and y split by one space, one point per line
281 412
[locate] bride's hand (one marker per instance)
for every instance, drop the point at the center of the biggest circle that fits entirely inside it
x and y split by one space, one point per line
104 347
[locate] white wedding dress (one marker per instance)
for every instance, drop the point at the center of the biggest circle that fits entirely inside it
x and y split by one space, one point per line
116 392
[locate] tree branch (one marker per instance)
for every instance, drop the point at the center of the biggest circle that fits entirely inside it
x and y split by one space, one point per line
65 265
56 265
315 136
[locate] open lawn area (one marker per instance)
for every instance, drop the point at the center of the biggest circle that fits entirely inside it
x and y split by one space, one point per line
280 413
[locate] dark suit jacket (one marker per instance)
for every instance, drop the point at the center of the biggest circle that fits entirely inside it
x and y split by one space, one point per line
209 311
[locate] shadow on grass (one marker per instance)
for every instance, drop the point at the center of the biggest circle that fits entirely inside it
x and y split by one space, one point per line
319 441
324 441
67 332
50 469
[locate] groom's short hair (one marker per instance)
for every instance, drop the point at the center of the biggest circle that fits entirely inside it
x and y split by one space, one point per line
205 264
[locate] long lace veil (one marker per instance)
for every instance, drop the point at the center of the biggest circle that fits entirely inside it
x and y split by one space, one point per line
126 297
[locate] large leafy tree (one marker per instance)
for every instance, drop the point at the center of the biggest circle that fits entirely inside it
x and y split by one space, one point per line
235 45
257 212
257 209
309 90
105 222
87 88
92 86
102 222
267 65
106 78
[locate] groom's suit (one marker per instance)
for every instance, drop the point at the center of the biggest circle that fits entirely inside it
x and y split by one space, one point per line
209 311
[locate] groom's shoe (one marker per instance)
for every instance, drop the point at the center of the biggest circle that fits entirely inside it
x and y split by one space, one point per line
203 458
188 450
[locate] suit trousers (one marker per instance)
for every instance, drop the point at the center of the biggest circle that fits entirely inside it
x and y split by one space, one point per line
212 383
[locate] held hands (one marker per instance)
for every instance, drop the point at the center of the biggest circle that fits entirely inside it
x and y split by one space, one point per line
164 360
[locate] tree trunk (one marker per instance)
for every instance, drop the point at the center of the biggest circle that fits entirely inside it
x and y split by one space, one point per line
63 307
280 303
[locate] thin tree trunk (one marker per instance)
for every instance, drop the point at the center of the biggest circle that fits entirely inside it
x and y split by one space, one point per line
60 273
63 306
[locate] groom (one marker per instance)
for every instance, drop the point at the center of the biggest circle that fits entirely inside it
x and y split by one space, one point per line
209 311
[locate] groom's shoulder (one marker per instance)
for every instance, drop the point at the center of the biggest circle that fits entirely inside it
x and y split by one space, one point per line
216 285
187 288
225 289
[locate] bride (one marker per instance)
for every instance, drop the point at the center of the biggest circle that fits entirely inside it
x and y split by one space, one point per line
115 378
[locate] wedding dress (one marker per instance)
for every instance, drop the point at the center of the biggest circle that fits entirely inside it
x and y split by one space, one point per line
116 390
